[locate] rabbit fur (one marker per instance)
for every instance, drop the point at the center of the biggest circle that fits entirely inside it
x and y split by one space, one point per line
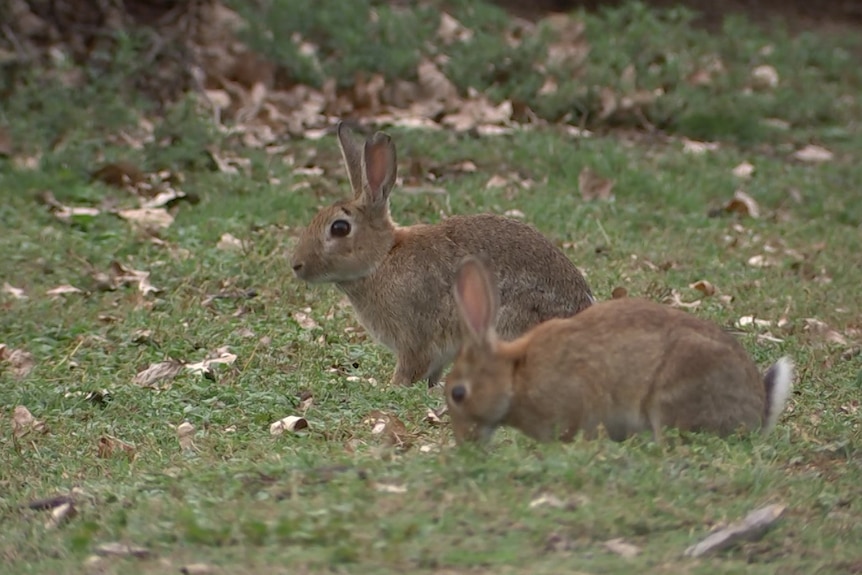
629 365
399 278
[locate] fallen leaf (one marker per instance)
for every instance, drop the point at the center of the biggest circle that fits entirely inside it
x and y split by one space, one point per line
751 528
764 77
16 293
743 204
514 214
63 290
158 372
813 154
76 214
743 170
186 436
290 423
49 502
23 422
60 515
703 286
228 242
822 329
148 218
116 549
304 320
390 488
119 275
433 417
621 548
594 187
675 300
760 261
748 320
547 500
222 356
20 362
198 569
451 30
109 445
390 428
434 83
496 181
697 148
122 174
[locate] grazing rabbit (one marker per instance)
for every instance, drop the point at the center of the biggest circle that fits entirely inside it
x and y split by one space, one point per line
631 365
399 279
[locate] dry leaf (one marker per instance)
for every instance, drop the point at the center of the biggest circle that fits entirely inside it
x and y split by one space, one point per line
703 286
304 320
621 548
63 290
222 355
23 422
16 293
390 488
496 181
813 154
120 174
228 242
697 148
514 214
60 515
157 373
742 204
186 436
198 569
432 417
116 549
434 83
748 320
594 187
764 77
20 362
751 528
69 214
619 292
675 300
148 218
390 428
291 423
743 170
760 261
820 328
548 500
451 30
120 275
109 445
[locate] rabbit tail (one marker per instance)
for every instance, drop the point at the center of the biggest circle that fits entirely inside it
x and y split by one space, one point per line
778 382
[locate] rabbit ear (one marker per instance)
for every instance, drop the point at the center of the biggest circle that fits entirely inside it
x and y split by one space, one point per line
477 300
379 168
352 155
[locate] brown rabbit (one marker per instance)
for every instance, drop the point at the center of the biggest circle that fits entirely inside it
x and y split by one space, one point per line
399 279
631 365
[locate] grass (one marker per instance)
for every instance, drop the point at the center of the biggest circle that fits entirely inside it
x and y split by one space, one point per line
338 498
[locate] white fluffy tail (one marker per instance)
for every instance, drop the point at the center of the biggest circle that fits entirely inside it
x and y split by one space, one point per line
778 381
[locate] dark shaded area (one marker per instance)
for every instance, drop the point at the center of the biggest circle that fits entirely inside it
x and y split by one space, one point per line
799 14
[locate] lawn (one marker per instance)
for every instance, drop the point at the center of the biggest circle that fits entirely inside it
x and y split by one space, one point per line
373 484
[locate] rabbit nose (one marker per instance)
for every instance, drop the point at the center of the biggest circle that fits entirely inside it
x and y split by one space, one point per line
297 267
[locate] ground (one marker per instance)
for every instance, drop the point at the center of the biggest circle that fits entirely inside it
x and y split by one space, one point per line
147 354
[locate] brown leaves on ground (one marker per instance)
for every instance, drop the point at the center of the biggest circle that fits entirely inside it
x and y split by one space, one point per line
158 373
119 275
17 361
594 187
109 446
391 429
750 528
291 423
23 423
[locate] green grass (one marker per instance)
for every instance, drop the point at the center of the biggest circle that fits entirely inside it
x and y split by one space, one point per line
250 502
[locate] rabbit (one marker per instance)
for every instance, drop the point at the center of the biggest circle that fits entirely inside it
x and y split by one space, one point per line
399 278
628 364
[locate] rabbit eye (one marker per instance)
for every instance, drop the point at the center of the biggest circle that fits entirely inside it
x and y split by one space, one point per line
339 228
459 392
